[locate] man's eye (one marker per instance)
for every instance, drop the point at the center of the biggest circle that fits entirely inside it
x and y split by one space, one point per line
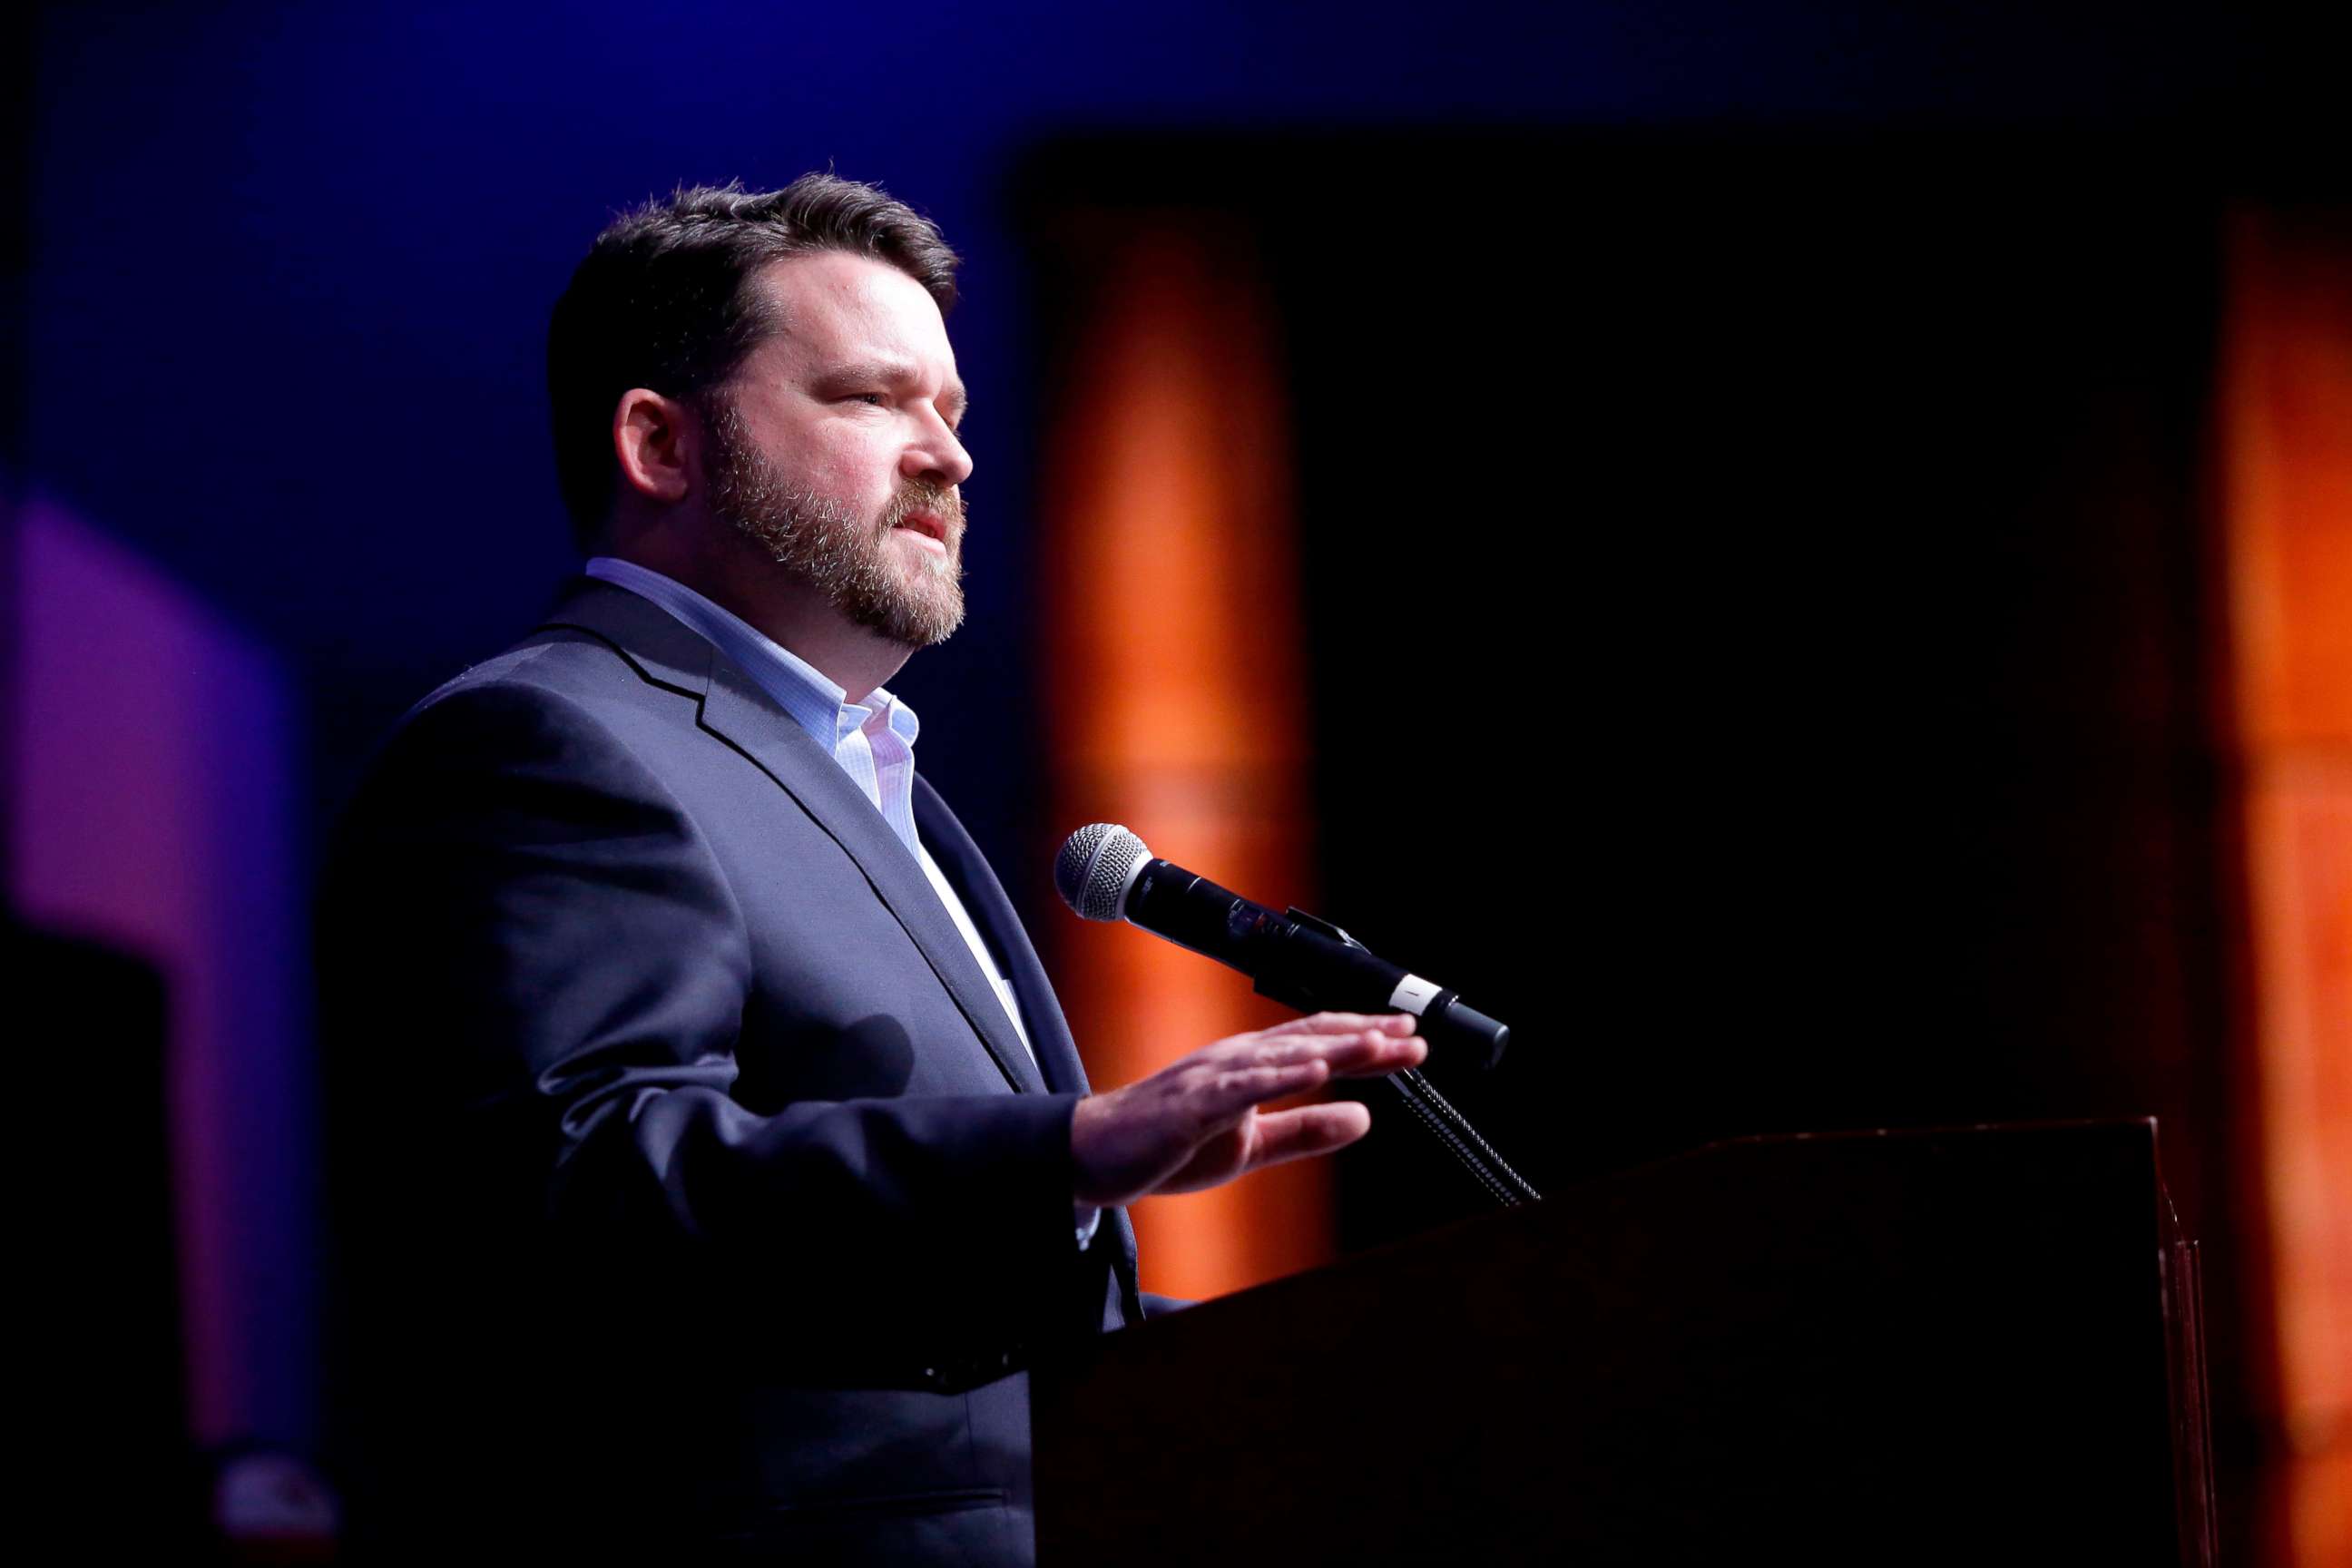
876 398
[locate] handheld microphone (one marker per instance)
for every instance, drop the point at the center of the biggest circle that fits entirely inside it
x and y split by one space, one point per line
1105 873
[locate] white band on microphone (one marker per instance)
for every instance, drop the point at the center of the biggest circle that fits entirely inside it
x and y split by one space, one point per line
1413 994
1127 885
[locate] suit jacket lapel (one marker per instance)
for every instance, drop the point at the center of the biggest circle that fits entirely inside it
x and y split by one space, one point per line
736 712
984 899
1049 1031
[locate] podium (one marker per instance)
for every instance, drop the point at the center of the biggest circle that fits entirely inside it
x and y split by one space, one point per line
1977 1344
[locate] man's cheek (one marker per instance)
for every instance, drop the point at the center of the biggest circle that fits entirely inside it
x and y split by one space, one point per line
847 475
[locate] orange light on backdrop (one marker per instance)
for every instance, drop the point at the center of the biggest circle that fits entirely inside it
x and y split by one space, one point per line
1174 687
2286 434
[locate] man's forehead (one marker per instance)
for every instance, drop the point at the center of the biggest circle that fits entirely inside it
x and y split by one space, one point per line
833 305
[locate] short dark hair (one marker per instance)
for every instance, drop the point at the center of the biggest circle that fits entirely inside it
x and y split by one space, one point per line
662 302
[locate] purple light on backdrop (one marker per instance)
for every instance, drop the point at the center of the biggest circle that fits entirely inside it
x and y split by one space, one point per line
157 813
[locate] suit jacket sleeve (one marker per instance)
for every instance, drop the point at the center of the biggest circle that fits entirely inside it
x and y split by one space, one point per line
541 971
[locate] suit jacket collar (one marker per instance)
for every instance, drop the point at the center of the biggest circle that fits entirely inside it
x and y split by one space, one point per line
732 707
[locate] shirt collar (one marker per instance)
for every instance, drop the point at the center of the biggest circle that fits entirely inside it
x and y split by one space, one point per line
812 699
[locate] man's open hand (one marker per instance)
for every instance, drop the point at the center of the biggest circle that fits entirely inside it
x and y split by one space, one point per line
1196 1124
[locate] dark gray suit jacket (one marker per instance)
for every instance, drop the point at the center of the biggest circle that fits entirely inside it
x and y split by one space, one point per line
692 1184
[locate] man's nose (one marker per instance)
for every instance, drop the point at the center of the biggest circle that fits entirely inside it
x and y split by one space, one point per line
938 454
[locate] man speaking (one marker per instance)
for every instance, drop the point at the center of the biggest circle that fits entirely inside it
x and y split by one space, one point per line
710 1151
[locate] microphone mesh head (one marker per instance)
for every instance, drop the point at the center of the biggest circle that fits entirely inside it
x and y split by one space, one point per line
1094 866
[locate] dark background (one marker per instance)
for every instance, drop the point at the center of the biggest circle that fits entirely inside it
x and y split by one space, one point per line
1752 462
1756 605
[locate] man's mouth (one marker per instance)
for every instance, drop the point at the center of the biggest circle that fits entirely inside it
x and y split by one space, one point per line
926 527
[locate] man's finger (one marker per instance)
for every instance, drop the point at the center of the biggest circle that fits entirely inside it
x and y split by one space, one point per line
1371 1056
1328 1048
1233 1092
1360 1055
1307 1130
1344 1024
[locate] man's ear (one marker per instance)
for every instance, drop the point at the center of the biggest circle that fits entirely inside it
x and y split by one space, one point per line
653 440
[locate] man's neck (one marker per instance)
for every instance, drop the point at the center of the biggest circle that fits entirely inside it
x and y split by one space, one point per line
779 605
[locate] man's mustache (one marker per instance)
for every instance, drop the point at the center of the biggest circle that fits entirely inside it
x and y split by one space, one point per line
918 495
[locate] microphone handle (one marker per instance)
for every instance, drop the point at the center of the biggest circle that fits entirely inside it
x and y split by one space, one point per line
1303 963
1292 962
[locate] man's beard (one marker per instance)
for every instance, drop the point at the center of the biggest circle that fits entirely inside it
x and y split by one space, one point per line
821 541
